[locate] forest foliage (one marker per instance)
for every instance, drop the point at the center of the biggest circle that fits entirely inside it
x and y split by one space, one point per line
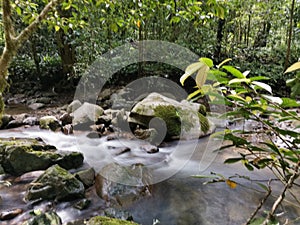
253 33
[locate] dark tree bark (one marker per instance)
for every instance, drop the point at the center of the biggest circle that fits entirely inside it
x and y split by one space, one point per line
262 36
220 35
66 52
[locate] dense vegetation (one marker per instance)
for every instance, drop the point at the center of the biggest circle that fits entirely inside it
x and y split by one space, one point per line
258 35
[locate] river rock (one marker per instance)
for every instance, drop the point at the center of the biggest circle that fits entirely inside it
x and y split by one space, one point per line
87 113
48 218
44 100
87 177
36 105
17 121
184 120
5 120
56 183
10 213
31 121
49 122
19 156
65 119
98 220
75 104
123 185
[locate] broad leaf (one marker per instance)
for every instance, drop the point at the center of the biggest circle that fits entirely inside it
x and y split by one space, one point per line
263 86
207 61
295 66
190 70
235 72
245 73
202 75
273 99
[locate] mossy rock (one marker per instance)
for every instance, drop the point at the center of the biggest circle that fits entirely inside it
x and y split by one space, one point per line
18 156
102 220
55 183
50 123
48 218
184 120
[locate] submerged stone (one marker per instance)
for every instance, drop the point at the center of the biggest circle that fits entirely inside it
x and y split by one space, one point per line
19 156
55 183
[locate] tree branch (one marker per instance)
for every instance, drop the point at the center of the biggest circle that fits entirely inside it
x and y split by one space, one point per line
25 34
8 25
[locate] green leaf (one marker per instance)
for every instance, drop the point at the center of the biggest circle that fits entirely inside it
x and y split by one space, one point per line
295 66
236 98
233 160
239 80
289 103
273 99
190 70
207 61
259 78
235 72
57 28
19 11
264 86
222 63
195 93
201 76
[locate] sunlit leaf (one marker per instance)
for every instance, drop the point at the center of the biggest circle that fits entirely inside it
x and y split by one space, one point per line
232 184
207 61
195 93
263 86
222 63
295 66
239 80
190 70
57 28
273 99
202 75
235 72
246 73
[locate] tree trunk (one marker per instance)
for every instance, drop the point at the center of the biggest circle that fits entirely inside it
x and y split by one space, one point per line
66 52
290 35
220 35
13 42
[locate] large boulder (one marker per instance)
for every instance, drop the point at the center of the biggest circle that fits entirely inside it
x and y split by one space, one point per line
55 183
87 113
19 156
184 120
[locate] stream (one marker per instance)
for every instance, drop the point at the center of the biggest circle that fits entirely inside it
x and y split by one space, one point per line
176 198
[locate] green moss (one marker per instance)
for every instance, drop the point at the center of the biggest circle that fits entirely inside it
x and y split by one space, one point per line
203 122
202 109
102 220
171 117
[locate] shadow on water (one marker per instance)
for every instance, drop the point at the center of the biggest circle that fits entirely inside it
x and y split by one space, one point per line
178 200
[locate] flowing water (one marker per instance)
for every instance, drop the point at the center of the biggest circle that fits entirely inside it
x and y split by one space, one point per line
176 198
